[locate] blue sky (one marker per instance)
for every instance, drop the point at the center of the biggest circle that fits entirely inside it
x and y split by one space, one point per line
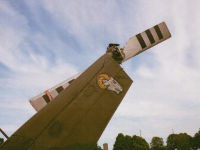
45 42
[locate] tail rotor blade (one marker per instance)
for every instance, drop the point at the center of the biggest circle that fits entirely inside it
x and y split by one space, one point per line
146 40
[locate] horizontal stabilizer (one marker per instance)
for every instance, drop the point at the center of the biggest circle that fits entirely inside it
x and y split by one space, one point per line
40 101
146 40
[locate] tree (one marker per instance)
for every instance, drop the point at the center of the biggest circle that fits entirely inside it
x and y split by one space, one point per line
172 142
123 142
140 143
1 141
184 141
196 141
180 141
119 142
97 147
157 143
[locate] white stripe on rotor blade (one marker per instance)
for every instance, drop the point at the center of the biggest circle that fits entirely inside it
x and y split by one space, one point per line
165 32
155 36
132 47
146 39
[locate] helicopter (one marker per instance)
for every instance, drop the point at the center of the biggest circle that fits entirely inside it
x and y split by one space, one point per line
73 114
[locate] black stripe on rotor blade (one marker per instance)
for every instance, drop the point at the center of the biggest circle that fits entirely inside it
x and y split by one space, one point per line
141 40
159 33
71 81
46 98
150 36
59 89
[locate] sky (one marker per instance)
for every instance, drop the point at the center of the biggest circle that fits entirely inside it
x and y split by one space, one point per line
44 42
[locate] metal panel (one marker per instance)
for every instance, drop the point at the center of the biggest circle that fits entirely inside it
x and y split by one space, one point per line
77 116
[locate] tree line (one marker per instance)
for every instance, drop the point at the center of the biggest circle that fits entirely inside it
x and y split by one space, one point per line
181 141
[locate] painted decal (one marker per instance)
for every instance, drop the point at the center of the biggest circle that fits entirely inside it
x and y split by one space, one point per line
106 82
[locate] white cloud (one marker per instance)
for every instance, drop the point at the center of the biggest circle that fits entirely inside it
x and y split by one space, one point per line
27 72
165 93
165 96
